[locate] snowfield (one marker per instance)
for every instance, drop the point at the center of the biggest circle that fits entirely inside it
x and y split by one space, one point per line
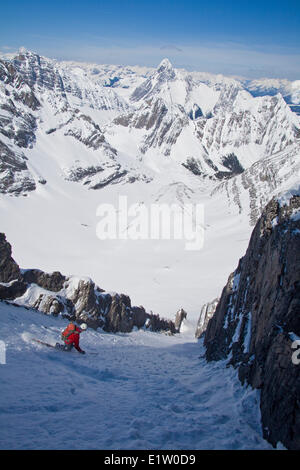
140 390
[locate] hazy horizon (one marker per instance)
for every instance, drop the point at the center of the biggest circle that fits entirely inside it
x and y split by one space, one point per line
253 41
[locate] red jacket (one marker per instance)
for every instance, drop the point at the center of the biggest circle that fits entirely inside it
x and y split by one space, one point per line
71 334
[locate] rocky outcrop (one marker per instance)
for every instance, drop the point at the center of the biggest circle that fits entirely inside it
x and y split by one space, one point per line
119 316
21 90
11 283
193 165
53 282
78 299
48 304
84 129
17 130
207 312
12 290
14 175
249 191
179 318
17 103
9 269
257 318
155 323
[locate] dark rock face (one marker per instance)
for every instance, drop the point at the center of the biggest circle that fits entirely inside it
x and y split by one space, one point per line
195 113
119 317
88 303
22 92
280 395
76 299
193 165
38 71
114 177
139 316
179 317
10 275
14 175
17 126
95 138
9 270
155 323
53 282
79 173
258 310
13 290
231 162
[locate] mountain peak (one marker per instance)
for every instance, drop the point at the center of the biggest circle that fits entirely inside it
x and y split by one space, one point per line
165 71
165 65
25 52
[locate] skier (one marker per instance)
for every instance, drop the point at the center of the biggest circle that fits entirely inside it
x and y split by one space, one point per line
70 336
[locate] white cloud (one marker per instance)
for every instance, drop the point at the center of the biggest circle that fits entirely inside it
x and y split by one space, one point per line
230 59
170 48
225 58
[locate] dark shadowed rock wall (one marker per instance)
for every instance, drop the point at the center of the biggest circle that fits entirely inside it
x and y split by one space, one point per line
258 318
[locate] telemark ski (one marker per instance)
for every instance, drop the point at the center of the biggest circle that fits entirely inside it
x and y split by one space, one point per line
57 346
45 344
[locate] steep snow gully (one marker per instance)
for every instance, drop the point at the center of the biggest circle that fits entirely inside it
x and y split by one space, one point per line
141 390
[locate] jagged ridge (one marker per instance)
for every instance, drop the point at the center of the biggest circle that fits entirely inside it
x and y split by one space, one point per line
187 117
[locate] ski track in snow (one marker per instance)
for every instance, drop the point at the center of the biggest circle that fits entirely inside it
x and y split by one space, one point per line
142 390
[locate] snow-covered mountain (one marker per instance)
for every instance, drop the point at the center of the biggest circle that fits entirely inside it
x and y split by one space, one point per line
75 135
289 90
214 128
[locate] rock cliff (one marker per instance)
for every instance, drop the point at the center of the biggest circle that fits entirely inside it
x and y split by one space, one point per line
258 318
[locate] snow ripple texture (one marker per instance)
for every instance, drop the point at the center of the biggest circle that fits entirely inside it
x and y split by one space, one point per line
140 391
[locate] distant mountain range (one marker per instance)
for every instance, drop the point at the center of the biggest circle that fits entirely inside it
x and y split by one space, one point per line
212 126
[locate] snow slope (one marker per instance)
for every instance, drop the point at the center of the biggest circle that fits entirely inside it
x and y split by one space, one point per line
59 224
130 391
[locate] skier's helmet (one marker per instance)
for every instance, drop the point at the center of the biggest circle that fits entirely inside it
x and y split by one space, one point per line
83 326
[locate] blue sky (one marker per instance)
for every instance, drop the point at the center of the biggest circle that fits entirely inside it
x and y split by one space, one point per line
250 38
